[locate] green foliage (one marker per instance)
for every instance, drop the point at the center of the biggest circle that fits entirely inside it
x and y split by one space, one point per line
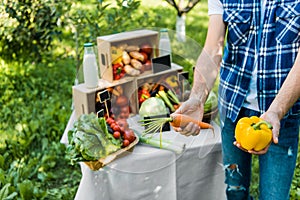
36 103
27 28
254 187
100 18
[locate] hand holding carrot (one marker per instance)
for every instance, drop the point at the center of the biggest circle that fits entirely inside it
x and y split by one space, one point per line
193 109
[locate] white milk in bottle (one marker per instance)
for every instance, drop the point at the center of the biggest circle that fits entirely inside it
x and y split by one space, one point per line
90 67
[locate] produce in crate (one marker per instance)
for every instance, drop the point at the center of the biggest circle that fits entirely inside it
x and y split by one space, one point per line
111 48
162 90
153 106
118 105
97 141
130 60
143 93
168 97
211 102
210 107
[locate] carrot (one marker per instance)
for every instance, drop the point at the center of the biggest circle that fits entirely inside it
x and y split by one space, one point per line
180 120
177 120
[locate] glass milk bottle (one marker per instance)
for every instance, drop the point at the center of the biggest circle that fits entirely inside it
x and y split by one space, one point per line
90 67
164 43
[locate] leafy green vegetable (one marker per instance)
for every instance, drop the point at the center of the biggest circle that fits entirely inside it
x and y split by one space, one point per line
211 102
153 106
90 139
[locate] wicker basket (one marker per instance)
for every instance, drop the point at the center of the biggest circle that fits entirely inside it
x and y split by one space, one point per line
96 165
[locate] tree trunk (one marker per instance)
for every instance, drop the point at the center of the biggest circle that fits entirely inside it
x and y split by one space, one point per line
180 28
182 7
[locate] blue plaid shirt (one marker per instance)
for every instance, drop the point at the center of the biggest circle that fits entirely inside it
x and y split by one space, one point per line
275 53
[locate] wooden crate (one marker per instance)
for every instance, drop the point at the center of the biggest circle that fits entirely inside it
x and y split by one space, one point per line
110 48
159 78
87 100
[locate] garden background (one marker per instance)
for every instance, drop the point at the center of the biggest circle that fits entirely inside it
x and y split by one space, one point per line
41 48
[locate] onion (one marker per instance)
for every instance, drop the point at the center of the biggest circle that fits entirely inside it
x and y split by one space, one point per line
121 101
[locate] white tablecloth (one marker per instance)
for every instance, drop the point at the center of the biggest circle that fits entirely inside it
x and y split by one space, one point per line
149 173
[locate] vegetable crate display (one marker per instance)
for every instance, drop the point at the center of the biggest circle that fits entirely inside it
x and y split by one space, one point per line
117 99
158 95
164 85
102 133
126 54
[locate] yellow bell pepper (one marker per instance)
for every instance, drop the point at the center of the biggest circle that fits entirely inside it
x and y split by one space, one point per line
253 133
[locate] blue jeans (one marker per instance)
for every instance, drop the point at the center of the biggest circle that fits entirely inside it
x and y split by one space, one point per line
276 167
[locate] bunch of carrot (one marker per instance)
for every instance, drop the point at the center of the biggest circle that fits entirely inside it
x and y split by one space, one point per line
176 120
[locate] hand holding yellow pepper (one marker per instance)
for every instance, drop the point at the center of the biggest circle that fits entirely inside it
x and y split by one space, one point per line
253 133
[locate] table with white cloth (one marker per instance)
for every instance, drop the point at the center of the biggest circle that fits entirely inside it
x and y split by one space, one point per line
149 173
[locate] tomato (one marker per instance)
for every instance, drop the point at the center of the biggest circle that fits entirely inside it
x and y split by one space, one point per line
109 120
123 124
117 77
117 66
126 143
116 127
122 130
112 124
129 135
117 134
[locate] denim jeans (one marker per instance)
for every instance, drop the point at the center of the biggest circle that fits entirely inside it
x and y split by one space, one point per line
276 167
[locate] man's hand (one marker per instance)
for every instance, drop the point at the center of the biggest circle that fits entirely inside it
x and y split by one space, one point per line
194 109
263 151
273 119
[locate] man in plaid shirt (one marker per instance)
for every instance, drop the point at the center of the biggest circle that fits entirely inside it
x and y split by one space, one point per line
262 45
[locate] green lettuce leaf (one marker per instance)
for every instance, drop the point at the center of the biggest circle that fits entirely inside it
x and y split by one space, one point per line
90 139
